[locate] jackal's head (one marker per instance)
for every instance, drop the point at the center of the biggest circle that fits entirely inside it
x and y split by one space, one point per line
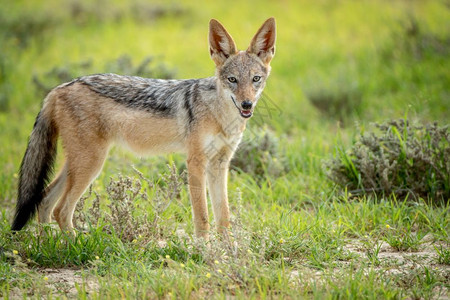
242 74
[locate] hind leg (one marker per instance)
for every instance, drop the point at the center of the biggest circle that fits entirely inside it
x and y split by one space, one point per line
52 194
83 167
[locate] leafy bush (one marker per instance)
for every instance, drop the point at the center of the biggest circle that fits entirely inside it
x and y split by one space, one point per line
416 41
337 96
259 155
5 87
122 65
145 11
22 28
401 159
123 216
85 12
148 67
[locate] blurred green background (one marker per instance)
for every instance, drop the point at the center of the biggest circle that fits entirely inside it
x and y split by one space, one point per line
339 65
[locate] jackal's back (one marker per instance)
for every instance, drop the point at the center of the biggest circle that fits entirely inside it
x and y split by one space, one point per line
158 96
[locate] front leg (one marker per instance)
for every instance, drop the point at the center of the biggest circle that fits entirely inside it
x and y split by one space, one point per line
217 175
197 188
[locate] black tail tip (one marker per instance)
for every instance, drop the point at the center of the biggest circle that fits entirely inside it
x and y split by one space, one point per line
16 226
20 220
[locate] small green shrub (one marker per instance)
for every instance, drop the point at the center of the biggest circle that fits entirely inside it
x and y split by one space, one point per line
338 97
5 86
123 65
124 215
401 159
60 74
85 12
415 40
260 155
145 11
148 67
23 27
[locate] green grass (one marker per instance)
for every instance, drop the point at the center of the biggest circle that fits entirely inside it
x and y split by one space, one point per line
295 234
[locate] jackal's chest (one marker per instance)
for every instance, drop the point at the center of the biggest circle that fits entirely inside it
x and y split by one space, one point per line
214 144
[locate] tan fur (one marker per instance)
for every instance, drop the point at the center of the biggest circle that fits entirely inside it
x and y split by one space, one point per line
89 124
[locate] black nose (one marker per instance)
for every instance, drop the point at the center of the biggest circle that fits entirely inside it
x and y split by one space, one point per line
247 104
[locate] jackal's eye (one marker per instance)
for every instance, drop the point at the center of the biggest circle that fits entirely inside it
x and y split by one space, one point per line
232 79
256 78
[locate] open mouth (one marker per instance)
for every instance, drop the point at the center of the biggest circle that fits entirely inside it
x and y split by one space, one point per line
246 113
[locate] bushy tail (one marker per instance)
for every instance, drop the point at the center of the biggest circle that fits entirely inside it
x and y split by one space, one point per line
36 168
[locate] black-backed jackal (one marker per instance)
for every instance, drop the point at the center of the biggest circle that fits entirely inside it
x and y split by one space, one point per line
204 118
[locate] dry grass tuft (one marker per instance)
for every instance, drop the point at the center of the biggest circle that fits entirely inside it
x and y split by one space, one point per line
124 215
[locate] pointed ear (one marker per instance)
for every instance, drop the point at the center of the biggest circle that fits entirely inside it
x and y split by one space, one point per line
221 44
263 43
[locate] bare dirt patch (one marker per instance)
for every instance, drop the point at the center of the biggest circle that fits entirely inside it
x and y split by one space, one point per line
69 282
403 268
